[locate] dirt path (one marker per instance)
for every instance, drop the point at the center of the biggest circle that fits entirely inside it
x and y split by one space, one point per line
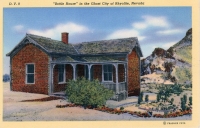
15 110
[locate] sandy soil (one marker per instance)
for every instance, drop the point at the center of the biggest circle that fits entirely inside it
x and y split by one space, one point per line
15 110
155 78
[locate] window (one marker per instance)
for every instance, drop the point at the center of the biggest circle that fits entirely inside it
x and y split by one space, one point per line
108 72
61 73
30 73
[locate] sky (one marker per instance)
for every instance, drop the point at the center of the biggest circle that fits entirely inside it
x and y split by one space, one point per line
153 26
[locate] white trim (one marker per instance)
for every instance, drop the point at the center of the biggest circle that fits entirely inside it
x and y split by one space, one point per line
103 73
89 71
122 82
117 80
29 73
62 82
74 71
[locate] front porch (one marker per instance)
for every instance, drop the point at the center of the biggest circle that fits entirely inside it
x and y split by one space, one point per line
113 75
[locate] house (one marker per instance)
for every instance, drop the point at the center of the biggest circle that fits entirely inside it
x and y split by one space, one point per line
43 65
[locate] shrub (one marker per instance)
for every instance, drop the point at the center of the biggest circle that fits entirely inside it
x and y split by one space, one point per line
140 98
190 100
171 101
146 98
85 92
183 106
121 108
164 92
158 97
185 98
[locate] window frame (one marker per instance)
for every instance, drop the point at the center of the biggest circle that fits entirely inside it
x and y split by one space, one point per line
26 75
103 71
64 74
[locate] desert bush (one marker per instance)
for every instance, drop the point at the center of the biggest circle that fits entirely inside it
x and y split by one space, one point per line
140 97
6 78
190 100
150 87
171 101
188 86
177 88
121 108
85 92
185 98
165 92
158 97
183 106
146 98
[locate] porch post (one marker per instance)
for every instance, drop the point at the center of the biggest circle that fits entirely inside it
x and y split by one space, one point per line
74 71
126 81
125 73
117 85
89 74
51 76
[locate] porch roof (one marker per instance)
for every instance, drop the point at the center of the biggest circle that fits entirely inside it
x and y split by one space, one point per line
87 59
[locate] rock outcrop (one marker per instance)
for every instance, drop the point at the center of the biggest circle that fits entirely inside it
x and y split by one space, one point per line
173 64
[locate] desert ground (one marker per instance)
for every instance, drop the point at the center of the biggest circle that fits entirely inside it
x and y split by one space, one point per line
15 110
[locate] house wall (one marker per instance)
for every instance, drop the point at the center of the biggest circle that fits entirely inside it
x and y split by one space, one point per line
69 76
30 54
133 74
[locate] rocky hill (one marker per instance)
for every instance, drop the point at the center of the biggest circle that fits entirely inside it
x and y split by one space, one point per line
172 65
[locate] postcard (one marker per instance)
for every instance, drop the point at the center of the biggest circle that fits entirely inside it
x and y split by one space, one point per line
100 63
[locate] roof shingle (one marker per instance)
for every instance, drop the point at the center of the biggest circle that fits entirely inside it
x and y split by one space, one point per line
53 45
123 45
107 46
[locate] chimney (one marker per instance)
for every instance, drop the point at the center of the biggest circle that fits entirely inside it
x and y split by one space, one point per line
65 37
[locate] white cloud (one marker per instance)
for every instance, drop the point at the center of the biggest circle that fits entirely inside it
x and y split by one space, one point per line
160 21
140 25
169 32
151 21
54 32
18 28
169 44
125 33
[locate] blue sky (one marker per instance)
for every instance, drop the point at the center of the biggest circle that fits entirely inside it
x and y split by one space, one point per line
154 26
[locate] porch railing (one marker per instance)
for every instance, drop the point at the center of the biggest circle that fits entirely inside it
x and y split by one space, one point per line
122 86
112 86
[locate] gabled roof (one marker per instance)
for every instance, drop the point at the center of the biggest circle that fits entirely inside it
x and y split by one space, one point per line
47 44
53 45
124 45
